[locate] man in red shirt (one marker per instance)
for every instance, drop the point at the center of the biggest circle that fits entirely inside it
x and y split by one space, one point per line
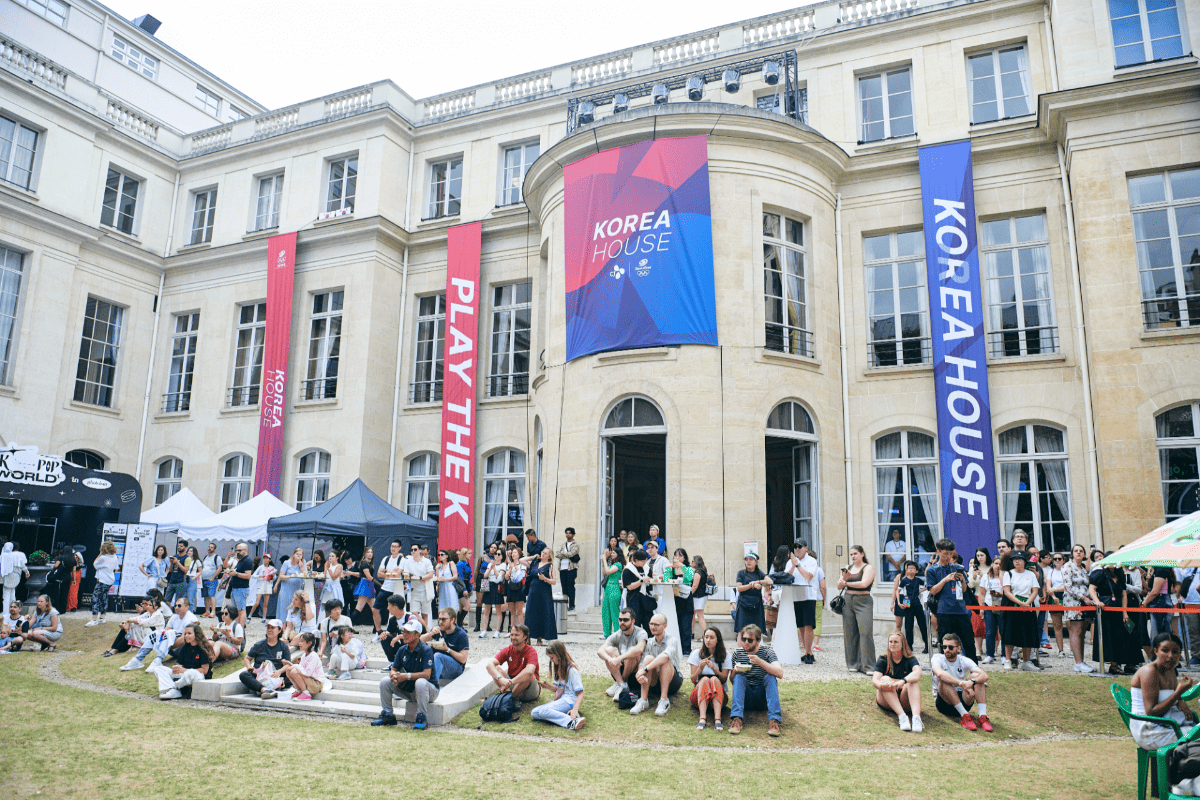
521 677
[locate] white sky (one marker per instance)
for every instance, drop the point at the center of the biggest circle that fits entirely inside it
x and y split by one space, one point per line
284 52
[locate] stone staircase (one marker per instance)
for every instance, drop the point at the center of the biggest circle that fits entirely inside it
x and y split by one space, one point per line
588 622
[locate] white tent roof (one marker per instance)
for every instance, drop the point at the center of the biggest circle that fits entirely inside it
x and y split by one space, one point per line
247 522
183 507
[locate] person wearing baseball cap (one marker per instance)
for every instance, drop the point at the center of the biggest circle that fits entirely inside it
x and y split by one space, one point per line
272 649
410 678
1021 590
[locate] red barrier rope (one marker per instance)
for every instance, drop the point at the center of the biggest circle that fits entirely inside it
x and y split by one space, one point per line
1130 609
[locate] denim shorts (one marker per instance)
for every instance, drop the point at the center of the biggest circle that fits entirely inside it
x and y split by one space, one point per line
238 596
210 588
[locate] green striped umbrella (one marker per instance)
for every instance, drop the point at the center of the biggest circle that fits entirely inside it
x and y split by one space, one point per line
1176 544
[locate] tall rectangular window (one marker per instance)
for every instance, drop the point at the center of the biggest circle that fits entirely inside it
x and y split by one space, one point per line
11 269
53 10
445 188
207 101
785 288
99 348
343 177
998 84
134 58
886 101
1145 30
18 145
897 303
1166 229
270 194
1016 261
202 216
168 481
248 358
517 161
511 307
183 363
430 349
120 202
237 480
324 346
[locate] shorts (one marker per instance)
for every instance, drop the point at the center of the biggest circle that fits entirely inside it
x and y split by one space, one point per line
209 588
806 613
698 603
423 607
381 600
53 636
949 710
238 596
672 688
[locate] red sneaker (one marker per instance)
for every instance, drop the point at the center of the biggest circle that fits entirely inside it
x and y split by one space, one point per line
984 723
968 722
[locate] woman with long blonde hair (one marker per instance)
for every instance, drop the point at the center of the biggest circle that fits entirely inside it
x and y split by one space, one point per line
567 686
897 682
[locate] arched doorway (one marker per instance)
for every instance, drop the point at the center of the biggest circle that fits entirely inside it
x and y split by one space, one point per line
791 479
633 476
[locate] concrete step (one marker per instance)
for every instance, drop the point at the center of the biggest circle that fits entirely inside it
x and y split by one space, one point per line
322 704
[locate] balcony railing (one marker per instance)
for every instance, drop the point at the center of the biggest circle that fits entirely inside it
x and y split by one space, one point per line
783 339
899 352
508 385
854 10
1165 313
33 64
425 392
318 389
1025 342
240 396
175 402
131 120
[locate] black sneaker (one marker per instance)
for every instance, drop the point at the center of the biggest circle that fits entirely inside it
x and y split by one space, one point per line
383 719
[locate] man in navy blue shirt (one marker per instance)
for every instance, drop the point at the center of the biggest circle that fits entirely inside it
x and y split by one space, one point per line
947 581
533 547
450 645
410 678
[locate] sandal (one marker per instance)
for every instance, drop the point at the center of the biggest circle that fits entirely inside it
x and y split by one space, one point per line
51 649
700 725
108 653
719 726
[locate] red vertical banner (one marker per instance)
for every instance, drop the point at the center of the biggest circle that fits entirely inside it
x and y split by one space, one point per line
456 525
281 273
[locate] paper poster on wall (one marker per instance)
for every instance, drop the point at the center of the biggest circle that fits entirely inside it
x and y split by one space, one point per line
116 532
139 548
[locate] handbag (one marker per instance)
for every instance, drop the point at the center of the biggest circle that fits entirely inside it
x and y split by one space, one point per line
459 586
161 583
783 578
838 604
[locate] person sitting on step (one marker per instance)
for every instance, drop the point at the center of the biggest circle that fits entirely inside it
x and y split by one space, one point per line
410 678
347 654
451 647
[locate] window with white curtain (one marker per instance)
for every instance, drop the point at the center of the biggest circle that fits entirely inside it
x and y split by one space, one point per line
203 214
785 285
12 266
270 198
178 396
18 146
248 357
312 479
168 481
445 188
998 84
1035 493
907 502
517 161
423 488
1178 433
237 480
897 303
1016 261
324 346
343 180
430 344
1166 232
511 309
503 495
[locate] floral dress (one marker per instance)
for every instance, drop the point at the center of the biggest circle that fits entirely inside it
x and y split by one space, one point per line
1075 593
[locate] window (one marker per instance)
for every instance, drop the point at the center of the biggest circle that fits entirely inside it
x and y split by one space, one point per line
423 498
510 340
1034 493
18 145
183 363
634 412
248 358
445 188
1166 228
343 175
886 100
1178 455
233 113
906 499
1145 30
431 345
12 266
120 201
270 193
207 101
785 289
98 350
1016 260
998 84
790 421
324 346
85 458
773 102
237 480
503 495
53 10
517 161
202 216
312 481
134 58
896 299
168 481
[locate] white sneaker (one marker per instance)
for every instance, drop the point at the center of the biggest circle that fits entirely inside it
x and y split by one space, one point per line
639 707
1007 664
917 725
664 705
1078 667
988 660
1086 667
170 694
103 620
614 690
92 624
496 635
1027 666
345 676
905 724
375 638
1062 653
157 662
483 634
134 663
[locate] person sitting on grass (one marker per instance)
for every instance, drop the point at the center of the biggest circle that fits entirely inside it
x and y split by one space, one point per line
757 673
347 654
897 680
567 686
193 662
710 668
45 626
12 629
228 638
410 678
451 646
660 668
622 652
957 683
305 671
271 651
136 630
521 674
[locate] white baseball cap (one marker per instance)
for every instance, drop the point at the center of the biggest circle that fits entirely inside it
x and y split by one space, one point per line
413 626
276 623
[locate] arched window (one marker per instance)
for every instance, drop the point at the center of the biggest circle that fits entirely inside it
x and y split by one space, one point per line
85 458
504 495
1034 491
906 499
312 479
237 477
791 440
423 490
1178 453
634 412
789 418
168 481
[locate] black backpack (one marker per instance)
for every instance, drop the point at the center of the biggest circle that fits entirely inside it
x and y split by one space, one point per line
627 700
1184 762
500 707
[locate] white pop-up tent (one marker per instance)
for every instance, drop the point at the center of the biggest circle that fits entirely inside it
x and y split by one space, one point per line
182 507
245 523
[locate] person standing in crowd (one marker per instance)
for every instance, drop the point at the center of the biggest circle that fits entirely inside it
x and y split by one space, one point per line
681 570
451 647
1157 596
622 652
391 571
947 581
194 565
1075 593
1055 591
421 576
757 673
193 662
271 650
991 594
858 617
656 567
106 575
710 667
749 585
539 613
894 554
568 563
316 571
520 676
897 682
364 589
906 603
45 625
976 572
957 683
239 581
701 595
155 568
635 581
331 587
446 573
661 661
482 584
494 585
210 568
1107 592
177 573
13 566
804 568
228 637
567 686
1021 590
348 654
1189 589
305 672
264 574
464 595
514 589
610 605
290 578
657 536
1033 564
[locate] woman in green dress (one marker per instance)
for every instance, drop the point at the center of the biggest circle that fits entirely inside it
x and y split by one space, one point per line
614 562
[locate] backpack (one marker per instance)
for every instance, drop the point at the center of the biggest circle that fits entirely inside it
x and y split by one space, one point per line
627 700
710 586
1184 762
500 707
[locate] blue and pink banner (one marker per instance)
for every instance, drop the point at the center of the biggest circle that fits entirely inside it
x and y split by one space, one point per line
639 263
970 515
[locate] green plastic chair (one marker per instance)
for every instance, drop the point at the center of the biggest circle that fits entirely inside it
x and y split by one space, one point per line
1158 757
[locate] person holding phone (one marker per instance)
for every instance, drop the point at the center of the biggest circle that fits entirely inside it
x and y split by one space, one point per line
949 583
857 617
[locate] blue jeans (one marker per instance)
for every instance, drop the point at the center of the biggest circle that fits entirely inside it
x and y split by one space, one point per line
991 624
555 711
747 696
193 595
445 668
239 597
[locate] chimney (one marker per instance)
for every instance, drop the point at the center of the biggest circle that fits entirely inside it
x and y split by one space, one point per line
147 23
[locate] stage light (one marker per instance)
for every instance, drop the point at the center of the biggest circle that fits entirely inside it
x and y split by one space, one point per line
620 102
660 93
733 80
771 73
695 88
587 113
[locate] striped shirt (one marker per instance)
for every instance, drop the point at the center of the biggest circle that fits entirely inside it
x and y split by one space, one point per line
756 674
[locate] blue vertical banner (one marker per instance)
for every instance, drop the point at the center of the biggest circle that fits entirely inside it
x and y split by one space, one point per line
970 514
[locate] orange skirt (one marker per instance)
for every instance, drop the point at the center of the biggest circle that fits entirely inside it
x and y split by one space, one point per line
710 689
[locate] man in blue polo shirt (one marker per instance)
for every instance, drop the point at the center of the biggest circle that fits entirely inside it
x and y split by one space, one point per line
451 647
410 678
947 581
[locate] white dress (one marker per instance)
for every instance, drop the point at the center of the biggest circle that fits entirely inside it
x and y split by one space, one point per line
1149 735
